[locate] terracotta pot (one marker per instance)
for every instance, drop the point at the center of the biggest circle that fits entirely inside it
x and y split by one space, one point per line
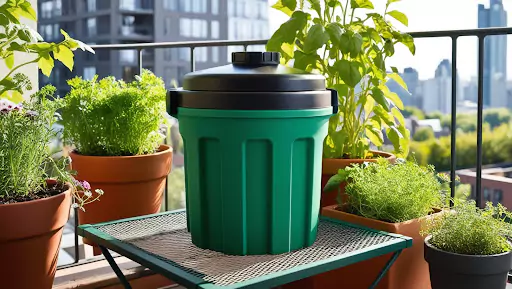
133 185
29 241
410 271
330 167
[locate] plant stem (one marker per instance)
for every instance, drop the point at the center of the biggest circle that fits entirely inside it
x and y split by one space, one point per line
19 66
345 13
8 41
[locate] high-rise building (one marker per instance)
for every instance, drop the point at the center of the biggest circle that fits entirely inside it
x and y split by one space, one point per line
413 96
138 21
437 92
495 54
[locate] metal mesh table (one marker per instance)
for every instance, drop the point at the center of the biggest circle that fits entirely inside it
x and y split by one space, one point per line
162 243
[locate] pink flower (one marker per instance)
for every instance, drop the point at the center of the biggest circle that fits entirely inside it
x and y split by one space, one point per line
86 185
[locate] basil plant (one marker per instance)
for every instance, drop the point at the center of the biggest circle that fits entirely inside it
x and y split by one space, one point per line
349 43
18 38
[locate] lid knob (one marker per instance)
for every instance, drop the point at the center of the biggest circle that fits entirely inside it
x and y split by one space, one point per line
255 58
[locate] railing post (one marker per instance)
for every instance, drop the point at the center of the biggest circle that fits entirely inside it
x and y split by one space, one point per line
139 57
481 51
75 217
453 163
192 59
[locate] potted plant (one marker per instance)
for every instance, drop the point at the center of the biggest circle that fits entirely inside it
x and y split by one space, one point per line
394 198
115 129
468 248
348 43
36 190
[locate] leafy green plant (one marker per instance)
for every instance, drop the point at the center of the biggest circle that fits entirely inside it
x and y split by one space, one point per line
390 192
25 159
337 41
112 118
16 37
470 230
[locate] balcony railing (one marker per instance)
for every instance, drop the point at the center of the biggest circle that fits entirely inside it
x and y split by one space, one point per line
454 35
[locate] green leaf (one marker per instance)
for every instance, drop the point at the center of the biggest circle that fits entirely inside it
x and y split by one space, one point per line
316 38
399 16
392 1
27 11
396 77
64 55
305 61
394 136
16 97
335 31
351 42
349 71
15 46
361 4
408 41
378 95
286 6
333 3
46 63
394 69
287 32
393 97
385 116
375 135
398 115
74 44
9 60
315 4
39 47
342 90
335 181
389 48
369 105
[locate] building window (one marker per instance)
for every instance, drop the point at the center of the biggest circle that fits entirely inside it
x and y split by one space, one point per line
56 31
263 10
89 72
215 7
497 196
240 8
215 54
215 29
171 5
168 54
231 7
91 27
91 5
129 73
128 56
184 54
185 27
186 5
487 195
167 25
57 7
201 54
46 9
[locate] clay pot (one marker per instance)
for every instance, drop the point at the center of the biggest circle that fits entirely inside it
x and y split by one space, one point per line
330 168
133 185
409 271
29 241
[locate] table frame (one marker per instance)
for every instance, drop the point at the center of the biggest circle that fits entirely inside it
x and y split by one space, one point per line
174 271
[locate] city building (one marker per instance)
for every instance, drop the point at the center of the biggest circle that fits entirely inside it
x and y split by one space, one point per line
496 183
138 21
495 48
413 96
437 91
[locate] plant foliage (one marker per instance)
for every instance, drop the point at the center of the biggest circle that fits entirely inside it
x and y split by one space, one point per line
390 192
25 159
351 52
109 117
16 37
470 230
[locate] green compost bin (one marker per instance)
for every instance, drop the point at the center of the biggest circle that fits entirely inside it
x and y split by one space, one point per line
253 133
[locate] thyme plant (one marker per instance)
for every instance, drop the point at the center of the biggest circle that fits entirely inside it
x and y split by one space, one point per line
109 117
391 192
348 42
470 230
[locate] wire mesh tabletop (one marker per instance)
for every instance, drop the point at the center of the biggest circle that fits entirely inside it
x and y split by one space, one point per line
162 243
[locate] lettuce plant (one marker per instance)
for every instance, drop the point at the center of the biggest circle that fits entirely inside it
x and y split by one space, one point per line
109 117
349 42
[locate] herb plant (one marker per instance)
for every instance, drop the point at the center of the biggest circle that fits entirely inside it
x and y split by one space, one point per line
349 47
25 160
390 192
109 117
470 230
17 38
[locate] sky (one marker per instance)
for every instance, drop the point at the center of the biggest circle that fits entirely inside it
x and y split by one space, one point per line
433 15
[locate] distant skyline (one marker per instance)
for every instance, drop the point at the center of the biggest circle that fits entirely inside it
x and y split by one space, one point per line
432 15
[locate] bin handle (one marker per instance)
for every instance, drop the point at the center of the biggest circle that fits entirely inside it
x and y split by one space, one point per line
173 101
334 100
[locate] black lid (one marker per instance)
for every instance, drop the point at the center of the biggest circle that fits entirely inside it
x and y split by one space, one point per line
253 71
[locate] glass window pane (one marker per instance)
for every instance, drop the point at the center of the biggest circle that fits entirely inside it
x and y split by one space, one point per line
231 7
215 7
215 29
185 27
89 72
215 54
91 5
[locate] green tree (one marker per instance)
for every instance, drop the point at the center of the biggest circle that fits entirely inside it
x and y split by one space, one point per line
496 116
423 134
413 111
434 115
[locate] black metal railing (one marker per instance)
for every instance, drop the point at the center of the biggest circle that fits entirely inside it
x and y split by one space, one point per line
454 35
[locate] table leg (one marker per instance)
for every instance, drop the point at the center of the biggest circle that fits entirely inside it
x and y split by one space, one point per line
116 269
385 269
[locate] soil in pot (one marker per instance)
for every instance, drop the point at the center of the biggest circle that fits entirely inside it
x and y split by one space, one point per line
133 185
31 234
410 271
330 167
456 271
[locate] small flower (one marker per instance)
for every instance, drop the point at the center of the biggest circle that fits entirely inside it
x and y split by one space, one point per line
87 193
31 113
86 185
74 206
77 183
99 192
